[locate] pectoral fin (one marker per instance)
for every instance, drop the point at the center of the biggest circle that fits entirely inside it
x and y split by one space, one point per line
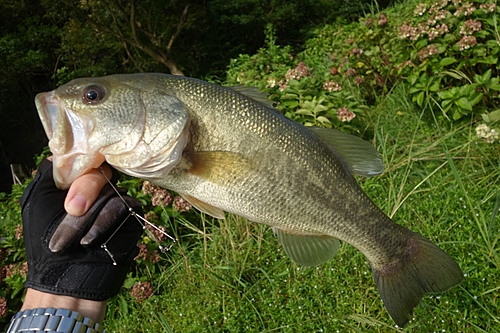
307 250
360 155
204 207
218 167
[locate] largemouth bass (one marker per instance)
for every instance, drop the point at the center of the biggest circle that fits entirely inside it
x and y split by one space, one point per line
228 150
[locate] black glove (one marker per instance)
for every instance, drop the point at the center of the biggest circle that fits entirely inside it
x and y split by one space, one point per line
77 265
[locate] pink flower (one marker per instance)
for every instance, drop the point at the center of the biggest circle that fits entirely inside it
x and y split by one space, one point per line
3 307
382 20
466 9
488 7
427 52
181 205
466 42
345 115
358 80
357 51
298 72
470 26
420 9
332 86
142 290
350 72
19 231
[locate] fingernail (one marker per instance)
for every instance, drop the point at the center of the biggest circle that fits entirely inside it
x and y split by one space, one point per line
77 205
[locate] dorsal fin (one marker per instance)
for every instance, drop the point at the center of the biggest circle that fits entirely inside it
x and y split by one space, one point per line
254 93
362 158
307 250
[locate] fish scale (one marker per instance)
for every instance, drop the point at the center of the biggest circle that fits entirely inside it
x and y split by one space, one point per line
227 149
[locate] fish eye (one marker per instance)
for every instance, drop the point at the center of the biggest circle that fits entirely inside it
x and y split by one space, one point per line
93 94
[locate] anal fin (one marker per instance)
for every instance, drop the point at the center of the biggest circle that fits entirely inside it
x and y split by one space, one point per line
306 249
204 207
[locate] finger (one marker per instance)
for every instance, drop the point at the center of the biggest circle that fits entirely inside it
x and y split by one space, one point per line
84 191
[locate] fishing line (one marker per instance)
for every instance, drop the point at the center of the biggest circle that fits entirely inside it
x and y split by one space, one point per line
142 221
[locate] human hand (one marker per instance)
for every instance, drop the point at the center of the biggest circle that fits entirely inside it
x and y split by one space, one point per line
78 270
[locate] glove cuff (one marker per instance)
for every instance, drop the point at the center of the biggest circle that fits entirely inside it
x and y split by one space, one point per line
96 282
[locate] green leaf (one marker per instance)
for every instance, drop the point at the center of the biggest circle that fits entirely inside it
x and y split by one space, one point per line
464 103
446 104
435 85
456 114
322 119
447 61
476 98
420 98
421 43
446 94
305 112
129 283
491 116
123 305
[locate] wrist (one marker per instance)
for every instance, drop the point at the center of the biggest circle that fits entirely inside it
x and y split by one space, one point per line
94 310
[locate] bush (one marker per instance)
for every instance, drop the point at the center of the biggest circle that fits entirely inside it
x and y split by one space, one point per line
447 51
454 54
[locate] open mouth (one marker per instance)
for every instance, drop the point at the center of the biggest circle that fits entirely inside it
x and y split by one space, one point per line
47 105
68 134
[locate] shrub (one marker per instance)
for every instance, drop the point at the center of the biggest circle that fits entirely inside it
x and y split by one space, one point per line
446 50
454 48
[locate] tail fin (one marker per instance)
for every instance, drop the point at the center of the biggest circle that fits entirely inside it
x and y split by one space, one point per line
424 268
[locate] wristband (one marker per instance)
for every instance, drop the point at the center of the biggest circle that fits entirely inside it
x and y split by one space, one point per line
50 320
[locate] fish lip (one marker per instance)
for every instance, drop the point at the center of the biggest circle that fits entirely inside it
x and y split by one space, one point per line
70 157
47 105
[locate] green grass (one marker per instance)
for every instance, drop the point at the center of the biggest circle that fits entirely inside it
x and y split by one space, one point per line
233 276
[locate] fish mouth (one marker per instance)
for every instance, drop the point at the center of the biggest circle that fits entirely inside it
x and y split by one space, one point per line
68 134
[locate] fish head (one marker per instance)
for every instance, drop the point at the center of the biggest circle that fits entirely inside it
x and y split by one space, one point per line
125 120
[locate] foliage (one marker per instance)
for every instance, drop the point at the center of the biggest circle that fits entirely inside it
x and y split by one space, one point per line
27 43
454 54
307 96
446 50
13 267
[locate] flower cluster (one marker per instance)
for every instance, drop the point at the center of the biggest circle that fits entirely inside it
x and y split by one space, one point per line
332 86
488 7
437 31
298 72
345 115
159 196
438 5
486 133
466 9
145 253
19 231
469 27
159 233
3 307
294 74
142 290
350 72
408 31
181 205
466 42
356 51
12 269
358 80
428 51
420 9
382 20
